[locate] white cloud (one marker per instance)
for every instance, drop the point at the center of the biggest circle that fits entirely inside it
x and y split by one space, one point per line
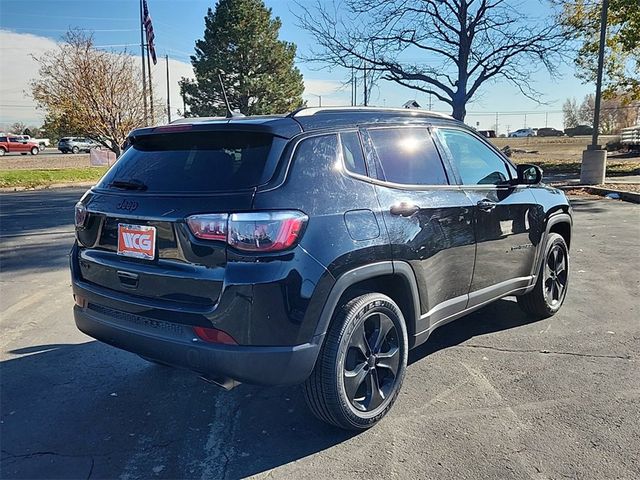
19 68
177 70
333 92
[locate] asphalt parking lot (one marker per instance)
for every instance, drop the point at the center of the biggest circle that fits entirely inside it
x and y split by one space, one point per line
493 395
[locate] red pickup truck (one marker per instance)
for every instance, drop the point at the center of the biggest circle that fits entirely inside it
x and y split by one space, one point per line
10 144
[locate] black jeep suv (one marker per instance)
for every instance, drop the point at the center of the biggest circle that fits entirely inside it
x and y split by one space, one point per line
315 248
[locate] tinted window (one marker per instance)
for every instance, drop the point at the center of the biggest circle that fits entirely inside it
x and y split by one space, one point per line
476 162
316 155
408 156
3 139
352 152
194 162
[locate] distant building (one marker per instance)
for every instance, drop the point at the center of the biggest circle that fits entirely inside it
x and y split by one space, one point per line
411 104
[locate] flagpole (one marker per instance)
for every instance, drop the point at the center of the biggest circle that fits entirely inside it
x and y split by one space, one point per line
166 57
144 76
153 118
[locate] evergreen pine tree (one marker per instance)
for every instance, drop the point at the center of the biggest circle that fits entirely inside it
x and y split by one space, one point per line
241 43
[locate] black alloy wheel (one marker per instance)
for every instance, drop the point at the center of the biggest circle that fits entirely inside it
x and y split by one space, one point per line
372 362
550 289
361 365
556 275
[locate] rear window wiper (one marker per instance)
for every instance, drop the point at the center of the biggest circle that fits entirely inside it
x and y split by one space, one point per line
132 184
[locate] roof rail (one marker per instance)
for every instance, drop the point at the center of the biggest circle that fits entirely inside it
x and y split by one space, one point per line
309 111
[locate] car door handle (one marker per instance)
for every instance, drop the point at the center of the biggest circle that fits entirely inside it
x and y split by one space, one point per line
404 209
486 205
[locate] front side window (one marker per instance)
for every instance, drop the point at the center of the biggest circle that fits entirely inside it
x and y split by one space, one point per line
408 156
476 163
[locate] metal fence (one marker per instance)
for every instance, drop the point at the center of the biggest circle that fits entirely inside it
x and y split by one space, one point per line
630 136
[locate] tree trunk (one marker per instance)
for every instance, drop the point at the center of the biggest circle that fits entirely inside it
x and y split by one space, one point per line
459 109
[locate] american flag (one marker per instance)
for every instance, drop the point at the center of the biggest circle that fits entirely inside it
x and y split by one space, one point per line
148 26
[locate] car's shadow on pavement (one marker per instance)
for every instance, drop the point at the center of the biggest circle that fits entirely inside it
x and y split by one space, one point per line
495 317
89 409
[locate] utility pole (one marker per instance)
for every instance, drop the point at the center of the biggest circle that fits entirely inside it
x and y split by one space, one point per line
546 119
352 85
525 120
594 159
496 124
166 57
365 85
430 103
319 98
596 112
355 88
153 118
144 76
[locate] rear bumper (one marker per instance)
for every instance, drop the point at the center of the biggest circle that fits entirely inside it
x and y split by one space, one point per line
177 345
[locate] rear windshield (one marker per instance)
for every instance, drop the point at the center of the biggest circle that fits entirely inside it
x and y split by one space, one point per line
192 162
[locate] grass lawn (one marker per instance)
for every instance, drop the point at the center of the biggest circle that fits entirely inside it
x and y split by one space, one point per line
40 177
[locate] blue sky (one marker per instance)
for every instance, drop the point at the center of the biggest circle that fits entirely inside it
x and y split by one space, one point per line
178 23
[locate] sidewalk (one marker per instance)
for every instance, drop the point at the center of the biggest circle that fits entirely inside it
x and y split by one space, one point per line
574 179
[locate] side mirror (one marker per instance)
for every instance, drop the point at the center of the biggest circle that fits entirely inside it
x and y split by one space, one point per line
529 174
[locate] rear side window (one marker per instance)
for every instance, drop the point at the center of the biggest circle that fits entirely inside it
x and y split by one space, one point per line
476 163
193 162
408 156
352 153
3 139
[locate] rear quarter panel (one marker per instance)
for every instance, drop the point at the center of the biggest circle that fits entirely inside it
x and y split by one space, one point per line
316 184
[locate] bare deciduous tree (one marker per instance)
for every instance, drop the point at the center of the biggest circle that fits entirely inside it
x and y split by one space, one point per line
448 48
98 93
17 128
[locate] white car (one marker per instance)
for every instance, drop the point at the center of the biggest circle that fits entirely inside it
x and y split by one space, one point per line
523 132
42 142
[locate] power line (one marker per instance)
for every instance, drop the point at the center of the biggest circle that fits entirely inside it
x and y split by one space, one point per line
66 29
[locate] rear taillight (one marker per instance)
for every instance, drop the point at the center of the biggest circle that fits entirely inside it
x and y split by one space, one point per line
80 215
254 231
209 227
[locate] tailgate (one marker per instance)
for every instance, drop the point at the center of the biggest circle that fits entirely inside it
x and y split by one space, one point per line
183 270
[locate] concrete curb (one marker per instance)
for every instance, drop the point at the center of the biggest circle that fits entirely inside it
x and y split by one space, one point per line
626 196
45 187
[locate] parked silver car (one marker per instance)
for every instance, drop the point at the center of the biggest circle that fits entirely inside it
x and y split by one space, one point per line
523 132
76 144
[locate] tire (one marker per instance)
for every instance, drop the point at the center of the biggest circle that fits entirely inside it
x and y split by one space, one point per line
35 151
550 290
346 350
75 150
2 152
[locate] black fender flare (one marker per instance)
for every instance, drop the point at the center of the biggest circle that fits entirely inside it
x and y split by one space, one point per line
366 272
560 217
